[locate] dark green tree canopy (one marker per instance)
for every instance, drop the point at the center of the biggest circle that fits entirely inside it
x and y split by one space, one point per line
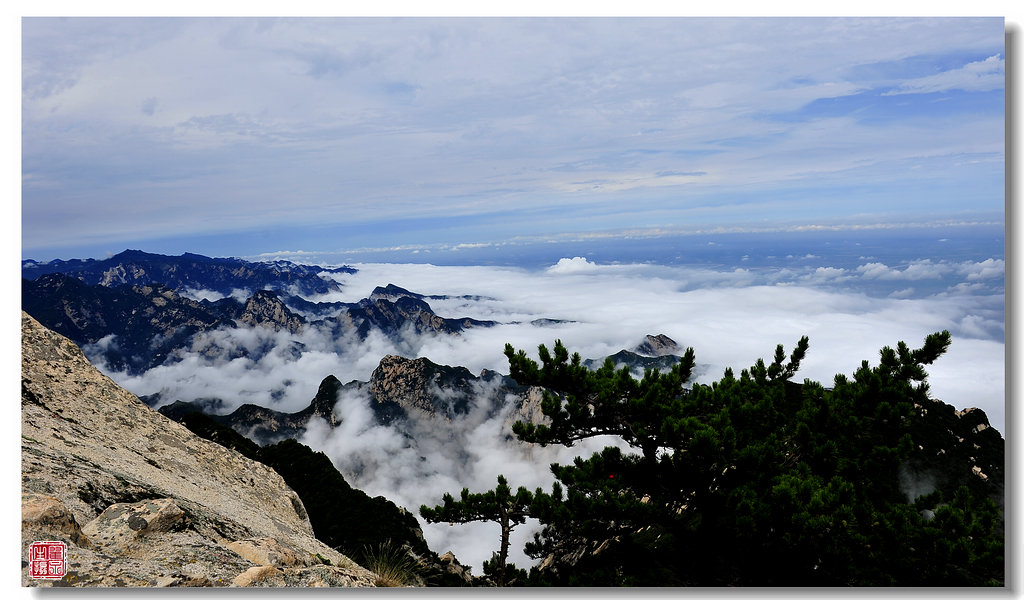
756 479
499 505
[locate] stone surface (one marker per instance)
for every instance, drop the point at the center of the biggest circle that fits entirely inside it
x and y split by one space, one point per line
256 575
90 445
46 514
267 551
120 527
265 309
657 345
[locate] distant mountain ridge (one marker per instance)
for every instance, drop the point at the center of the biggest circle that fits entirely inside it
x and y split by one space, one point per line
137 307
190 271
398 388
390 312
148 322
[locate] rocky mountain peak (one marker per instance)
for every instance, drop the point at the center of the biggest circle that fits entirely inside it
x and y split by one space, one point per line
325 399
265 309
657 345
160 295
391 309
392 292
417 384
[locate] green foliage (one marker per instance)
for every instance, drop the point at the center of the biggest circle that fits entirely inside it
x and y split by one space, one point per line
342 516
205 427
391 565
751 480
606 402
508 573
499 505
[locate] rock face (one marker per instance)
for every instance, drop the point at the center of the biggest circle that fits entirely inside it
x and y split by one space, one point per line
657 345
635 362
265 424
415 384
391 312
147 322
140 500
265 309
398 386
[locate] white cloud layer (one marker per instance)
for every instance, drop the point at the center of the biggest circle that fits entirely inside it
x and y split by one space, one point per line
730 317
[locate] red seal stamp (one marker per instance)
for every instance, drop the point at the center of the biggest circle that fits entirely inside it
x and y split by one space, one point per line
48 560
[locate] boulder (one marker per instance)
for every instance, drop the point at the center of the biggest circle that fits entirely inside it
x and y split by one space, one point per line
119 528
48 514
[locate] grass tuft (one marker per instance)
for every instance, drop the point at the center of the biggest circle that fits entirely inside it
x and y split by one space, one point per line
392 565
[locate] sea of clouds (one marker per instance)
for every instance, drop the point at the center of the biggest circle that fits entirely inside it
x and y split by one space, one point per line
730 317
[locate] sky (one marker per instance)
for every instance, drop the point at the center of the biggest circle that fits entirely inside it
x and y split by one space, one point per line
241 136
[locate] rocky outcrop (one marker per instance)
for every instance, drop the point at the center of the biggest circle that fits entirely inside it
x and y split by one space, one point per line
455 569
132 328
416 384
140 500
657 345
265 424
398 386
265 309
43 515
391 312
636 363
954 448
393 292
657 352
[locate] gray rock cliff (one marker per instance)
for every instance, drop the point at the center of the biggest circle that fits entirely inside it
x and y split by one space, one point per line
141 501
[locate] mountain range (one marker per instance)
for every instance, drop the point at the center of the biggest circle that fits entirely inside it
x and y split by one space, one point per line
136 311
137 305
189 271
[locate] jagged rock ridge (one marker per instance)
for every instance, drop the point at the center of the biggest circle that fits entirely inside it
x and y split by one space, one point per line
657 345
392 309
148 322
398 386
139 499
140 327
190 271
265 309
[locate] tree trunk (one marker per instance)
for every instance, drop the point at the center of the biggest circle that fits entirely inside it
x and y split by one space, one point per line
503 551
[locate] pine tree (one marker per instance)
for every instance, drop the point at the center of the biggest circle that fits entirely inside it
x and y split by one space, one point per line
499 505
751 480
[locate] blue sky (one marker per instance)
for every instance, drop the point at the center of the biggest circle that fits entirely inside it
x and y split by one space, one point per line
247 136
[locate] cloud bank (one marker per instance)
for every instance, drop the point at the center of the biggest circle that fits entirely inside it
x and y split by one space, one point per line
731 317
